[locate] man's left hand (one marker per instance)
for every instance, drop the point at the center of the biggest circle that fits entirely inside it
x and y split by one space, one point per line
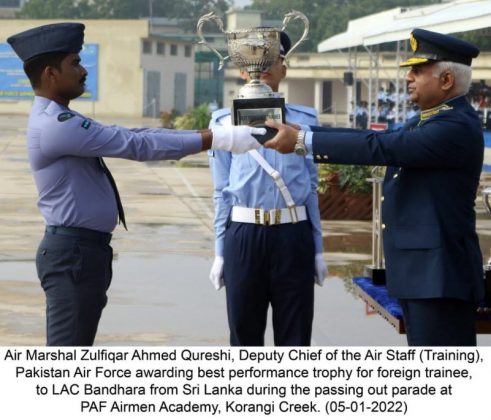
216 273
320 269
285 139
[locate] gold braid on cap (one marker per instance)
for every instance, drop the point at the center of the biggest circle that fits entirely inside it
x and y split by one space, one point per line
413 42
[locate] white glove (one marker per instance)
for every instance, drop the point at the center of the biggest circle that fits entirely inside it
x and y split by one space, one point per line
216 273
235 138
320 269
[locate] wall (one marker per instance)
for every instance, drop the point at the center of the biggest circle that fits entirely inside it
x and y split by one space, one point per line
120 72
299 92
243 19
168 65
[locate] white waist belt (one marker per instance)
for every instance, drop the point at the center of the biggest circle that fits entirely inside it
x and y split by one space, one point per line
292 214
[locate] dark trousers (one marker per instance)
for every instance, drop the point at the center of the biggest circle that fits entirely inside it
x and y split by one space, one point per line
439 322
269 265
75 270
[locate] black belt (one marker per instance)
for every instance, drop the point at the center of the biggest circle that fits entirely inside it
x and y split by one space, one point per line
82 233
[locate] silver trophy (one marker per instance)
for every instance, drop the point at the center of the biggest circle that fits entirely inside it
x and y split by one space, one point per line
255 50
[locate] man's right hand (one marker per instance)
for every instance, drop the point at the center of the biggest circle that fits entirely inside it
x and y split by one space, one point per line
235 138
286 138
216 273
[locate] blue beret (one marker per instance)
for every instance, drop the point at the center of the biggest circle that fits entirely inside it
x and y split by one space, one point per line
58 37
433 46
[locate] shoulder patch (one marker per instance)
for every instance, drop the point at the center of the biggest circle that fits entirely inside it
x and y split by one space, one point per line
65 116
86 124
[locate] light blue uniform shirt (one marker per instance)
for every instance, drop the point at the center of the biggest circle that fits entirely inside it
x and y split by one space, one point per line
64 147
240 181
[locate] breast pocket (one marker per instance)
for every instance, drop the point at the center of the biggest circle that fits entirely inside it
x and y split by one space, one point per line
417 237
293 162
244 163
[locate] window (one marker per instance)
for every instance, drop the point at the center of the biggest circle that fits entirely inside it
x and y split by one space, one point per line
173 49
204 70
147 47
160 48
327 96
187 50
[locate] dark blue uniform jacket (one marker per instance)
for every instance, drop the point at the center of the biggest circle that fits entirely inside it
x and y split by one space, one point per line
433 169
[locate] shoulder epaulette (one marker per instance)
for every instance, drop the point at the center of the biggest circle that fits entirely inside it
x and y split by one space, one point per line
220 113
302 108
428 113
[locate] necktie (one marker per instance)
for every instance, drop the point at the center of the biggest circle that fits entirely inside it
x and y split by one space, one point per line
116 193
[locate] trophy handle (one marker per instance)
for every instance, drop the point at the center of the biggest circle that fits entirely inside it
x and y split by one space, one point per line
485 196
206 18
294 14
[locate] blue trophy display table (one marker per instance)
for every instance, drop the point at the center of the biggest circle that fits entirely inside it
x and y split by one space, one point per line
376 297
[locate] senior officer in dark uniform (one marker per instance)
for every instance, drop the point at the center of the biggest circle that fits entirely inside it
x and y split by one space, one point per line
78 197
433 259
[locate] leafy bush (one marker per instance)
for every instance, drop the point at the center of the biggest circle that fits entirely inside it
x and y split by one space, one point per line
352 178
196 118
167 118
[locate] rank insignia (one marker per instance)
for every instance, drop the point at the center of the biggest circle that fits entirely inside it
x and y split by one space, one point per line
86 124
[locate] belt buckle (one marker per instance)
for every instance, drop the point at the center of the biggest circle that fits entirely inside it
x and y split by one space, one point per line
277 216
267 218
257 216
293 213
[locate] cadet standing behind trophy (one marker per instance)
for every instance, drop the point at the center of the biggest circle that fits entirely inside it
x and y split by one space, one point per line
433 259
78 197
262 255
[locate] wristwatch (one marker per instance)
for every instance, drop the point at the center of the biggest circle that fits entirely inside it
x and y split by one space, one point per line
299 148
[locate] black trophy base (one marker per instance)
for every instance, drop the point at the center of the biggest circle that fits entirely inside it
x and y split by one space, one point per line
263 138
256 111
376 274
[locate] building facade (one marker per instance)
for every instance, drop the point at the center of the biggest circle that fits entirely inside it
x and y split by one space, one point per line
136 72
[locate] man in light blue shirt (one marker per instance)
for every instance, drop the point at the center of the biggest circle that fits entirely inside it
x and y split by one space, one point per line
261 255
78 197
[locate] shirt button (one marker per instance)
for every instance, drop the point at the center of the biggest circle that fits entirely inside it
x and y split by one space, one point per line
326 157
383 225
396 175
318 157
382 198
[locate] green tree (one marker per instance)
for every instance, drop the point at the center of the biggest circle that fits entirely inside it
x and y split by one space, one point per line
328 17
121 9
52 9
